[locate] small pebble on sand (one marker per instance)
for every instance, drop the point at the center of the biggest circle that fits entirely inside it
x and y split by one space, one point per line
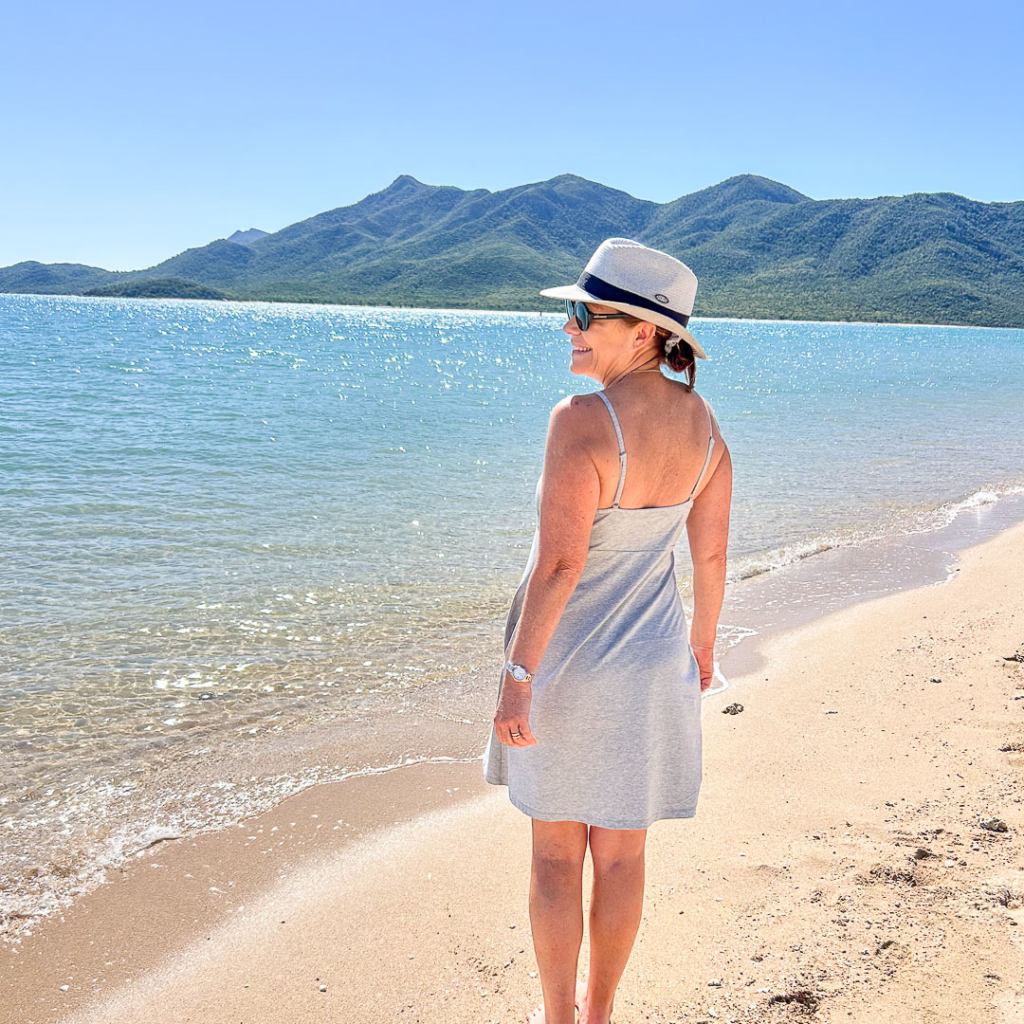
993 825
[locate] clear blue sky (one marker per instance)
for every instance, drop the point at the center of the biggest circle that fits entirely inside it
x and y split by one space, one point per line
129 132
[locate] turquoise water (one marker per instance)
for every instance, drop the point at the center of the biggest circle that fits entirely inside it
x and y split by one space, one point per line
228 520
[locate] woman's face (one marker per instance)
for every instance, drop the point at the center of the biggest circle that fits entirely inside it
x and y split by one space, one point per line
604 349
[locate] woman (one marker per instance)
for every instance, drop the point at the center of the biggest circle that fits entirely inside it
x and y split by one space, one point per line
597 729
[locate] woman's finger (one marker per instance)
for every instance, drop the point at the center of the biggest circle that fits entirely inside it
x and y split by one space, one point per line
527 739
504 731
517 733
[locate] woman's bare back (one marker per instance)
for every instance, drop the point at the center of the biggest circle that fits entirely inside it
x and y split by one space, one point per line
665 431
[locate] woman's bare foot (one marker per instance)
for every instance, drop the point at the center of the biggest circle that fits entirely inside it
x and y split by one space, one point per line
536 1016
582 1005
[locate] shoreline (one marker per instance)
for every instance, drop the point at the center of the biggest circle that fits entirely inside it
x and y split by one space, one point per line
251 780
206 794
380 741
216 878
476 309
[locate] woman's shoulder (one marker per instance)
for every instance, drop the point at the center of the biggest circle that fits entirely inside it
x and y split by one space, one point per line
703 402
577 418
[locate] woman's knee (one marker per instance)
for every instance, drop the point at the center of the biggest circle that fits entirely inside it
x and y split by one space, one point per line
616 850
559 848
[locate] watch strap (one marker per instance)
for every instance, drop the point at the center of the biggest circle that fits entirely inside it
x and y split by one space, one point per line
510 666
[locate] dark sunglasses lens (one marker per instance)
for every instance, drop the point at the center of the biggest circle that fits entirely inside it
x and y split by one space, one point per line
569 311
582 315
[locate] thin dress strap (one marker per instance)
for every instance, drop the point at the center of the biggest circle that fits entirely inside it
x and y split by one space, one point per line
622 448
711 445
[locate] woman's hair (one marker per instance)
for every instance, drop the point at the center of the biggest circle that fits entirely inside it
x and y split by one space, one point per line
681 358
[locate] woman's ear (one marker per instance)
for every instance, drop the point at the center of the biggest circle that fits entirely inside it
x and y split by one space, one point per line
645 332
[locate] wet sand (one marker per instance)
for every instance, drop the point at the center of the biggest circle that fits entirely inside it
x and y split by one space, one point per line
837 868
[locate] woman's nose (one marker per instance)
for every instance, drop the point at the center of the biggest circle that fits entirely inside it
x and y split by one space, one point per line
570 327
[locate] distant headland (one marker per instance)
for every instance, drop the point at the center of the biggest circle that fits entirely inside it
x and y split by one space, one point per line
760 249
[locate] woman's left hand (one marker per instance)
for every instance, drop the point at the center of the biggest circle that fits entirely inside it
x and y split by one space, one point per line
513 714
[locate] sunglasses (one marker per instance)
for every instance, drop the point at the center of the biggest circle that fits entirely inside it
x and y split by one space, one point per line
578 311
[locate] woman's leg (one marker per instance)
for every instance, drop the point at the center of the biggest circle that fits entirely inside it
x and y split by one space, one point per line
616 905
556 914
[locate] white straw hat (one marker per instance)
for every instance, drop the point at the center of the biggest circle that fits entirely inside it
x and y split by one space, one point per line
644 282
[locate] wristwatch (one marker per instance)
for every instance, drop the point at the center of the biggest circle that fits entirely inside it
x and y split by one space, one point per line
518 672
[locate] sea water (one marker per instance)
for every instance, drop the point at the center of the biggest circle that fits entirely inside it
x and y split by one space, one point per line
231 527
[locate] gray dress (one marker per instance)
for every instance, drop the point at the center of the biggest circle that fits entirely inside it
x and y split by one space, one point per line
616 697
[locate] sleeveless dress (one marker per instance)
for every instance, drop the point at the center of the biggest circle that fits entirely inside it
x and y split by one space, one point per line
616 697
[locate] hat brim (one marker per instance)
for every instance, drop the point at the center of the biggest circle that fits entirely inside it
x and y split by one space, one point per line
577 294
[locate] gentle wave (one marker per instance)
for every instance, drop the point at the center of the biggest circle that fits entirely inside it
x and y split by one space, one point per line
910 522
45 891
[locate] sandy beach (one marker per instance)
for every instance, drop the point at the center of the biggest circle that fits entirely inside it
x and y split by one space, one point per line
837 868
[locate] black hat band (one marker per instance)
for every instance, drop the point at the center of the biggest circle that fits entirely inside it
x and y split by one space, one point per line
601 289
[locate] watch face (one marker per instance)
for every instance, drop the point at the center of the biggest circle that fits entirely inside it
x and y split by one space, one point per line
519 673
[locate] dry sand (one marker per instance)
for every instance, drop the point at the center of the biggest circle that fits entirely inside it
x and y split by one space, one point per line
836 869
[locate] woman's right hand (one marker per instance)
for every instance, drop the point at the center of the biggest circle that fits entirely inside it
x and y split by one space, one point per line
513 713
705 655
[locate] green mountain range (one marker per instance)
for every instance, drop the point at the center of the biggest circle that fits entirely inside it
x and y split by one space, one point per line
759 248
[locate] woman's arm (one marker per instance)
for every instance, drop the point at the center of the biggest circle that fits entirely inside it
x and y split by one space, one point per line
570 491
707 528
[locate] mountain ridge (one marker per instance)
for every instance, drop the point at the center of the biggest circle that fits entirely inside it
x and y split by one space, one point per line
759 248
248 236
